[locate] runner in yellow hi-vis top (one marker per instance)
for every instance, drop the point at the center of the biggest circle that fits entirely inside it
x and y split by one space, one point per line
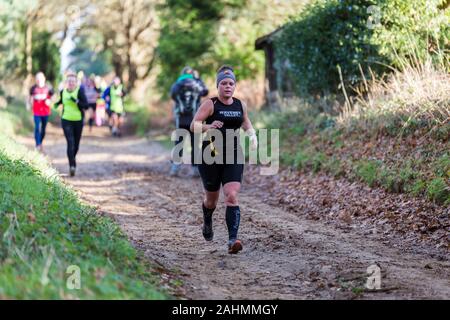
74 102
114 96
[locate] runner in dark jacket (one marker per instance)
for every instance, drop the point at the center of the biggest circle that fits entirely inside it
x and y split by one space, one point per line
186 92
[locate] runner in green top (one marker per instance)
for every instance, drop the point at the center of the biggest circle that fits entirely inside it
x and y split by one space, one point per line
71 111
74 102
114 96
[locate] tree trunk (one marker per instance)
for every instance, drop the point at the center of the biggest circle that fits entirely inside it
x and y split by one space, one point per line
28 56
28 48
132 70
117 64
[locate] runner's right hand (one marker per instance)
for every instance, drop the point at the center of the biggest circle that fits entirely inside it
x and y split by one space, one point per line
216 125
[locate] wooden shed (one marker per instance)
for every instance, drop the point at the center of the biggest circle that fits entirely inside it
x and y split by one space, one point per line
278 84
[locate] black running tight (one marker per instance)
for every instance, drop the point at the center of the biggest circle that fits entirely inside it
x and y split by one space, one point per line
72 132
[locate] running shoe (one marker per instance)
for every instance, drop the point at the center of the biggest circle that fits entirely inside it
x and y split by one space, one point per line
208 232
72 171
174 170
234 246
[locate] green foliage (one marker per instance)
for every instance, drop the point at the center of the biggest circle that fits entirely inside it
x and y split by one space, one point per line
417 188
45 51
442 166
389 179
139 116
242 56
311 141
190 36
46 56
334 166
11 38
187 33
208 34
332 33
439 191
15 119
88 60
178 48
301 159
367 171
421 25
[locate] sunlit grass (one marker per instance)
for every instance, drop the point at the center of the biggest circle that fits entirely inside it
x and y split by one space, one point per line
44 229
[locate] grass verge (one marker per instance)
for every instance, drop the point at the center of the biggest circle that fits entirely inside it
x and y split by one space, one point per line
397 137
48 237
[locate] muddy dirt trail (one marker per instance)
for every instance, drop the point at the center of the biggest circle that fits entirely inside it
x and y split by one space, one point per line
285 256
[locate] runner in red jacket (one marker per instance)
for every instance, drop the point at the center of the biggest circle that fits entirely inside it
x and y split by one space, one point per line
40 95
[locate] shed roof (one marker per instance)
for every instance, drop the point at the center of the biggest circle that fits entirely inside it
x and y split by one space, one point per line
262 42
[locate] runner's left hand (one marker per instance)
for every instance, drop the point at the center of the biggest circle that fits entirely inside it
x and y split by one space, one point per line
253 138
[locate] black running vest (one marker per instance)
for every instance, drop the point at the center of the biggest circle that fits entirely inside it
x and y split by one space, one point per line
232 117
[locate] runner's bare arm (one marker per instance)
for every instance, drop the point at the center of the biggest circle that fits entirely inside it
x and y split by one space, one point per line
246 124
206 109
248 128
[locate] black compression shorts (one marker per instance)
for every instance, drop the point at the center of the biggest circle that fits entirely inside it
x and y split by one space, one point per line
213 175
